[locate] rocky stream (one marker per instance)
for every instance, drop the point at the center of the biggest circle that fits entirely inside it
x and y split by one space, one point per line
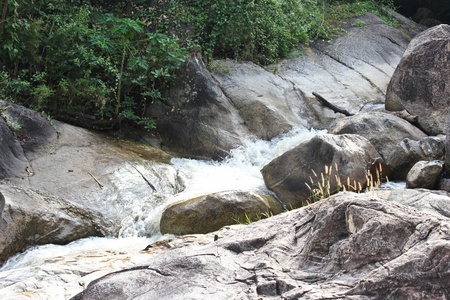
87 215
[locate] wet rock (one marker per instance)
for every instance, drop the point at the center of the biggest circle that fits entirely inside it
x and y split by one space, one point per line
351 158
31 217
425 174
93 170
340 247
399 143
420 82
211 212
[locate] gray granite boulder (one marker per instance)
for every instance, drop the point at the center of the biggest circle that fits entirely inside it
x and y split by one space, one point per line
32 217
399 142
213 108
295 174
347 246
420 81
425 174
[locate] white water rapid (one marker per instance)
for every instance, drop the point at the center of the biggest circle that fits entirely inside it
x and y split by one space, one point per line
241 170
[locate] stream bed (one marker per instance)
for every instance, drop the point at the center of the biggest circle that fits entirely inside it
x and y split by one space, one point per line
61 270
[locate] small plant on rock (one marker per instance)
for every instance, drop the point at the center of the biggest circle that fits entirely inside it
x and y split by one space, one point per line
329 183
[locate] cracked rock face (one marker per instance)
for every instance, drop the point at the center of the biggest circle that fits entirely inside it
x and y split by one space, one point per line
347 246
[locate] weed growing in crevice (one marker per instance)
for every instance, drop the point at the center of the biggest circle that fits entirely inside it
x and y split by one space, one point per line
329 182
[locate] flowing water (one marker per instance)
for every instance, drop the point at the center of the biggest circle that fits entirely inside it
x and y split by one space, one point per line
140 219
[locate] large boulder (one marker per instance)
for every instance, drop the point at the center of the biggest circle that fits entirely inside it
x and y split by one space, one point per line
120 179
351 246
420 82
13 162
211 212
294 175
399 143
197 118
425 174
32 217
210 111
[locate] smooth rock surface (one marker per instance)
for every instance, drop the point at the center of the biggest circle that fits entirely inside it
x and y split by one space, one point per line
348 246
425 174
32 217
211 212
209 112
431 201
420 81
93 170
351 157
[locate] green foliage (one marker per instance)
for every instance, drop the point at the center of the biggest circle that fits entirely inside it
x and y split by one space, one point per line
109 59
65 58
261 31
11 121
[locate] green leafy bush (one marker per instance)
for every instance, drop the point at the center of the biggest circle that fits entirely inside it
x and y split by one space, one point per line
68 58
107 60
257 30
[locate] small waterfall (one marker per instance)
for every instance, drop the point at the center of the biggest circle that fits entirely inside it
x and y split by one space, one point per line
140 211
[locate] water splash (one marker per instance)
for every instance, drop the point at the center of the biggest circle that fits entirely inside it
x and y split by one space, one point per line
239 171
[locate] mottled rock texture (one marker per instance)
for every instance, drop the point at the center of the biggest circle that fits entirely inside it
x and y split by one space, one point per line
348 246
420 82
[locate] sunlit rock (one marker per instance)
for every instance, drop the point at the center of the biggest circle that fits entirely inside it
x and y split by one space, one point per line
211 212
400 143
325 163
32 217
425 174
340 247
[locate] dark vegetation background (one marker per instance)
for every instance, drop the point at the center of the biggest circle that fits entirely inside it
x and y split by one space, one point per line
103 61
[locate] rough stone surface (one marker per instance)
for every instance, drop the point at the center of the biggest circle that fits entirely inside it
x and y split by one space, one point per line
31 217
420 81
399 143
209 112
425 174
197 118
352 155
211 212
347 246
447 145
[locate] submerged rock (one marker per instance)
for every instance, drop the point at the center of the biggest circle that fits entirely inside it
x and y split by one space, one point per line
211 212
351 158
420 82
340 247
